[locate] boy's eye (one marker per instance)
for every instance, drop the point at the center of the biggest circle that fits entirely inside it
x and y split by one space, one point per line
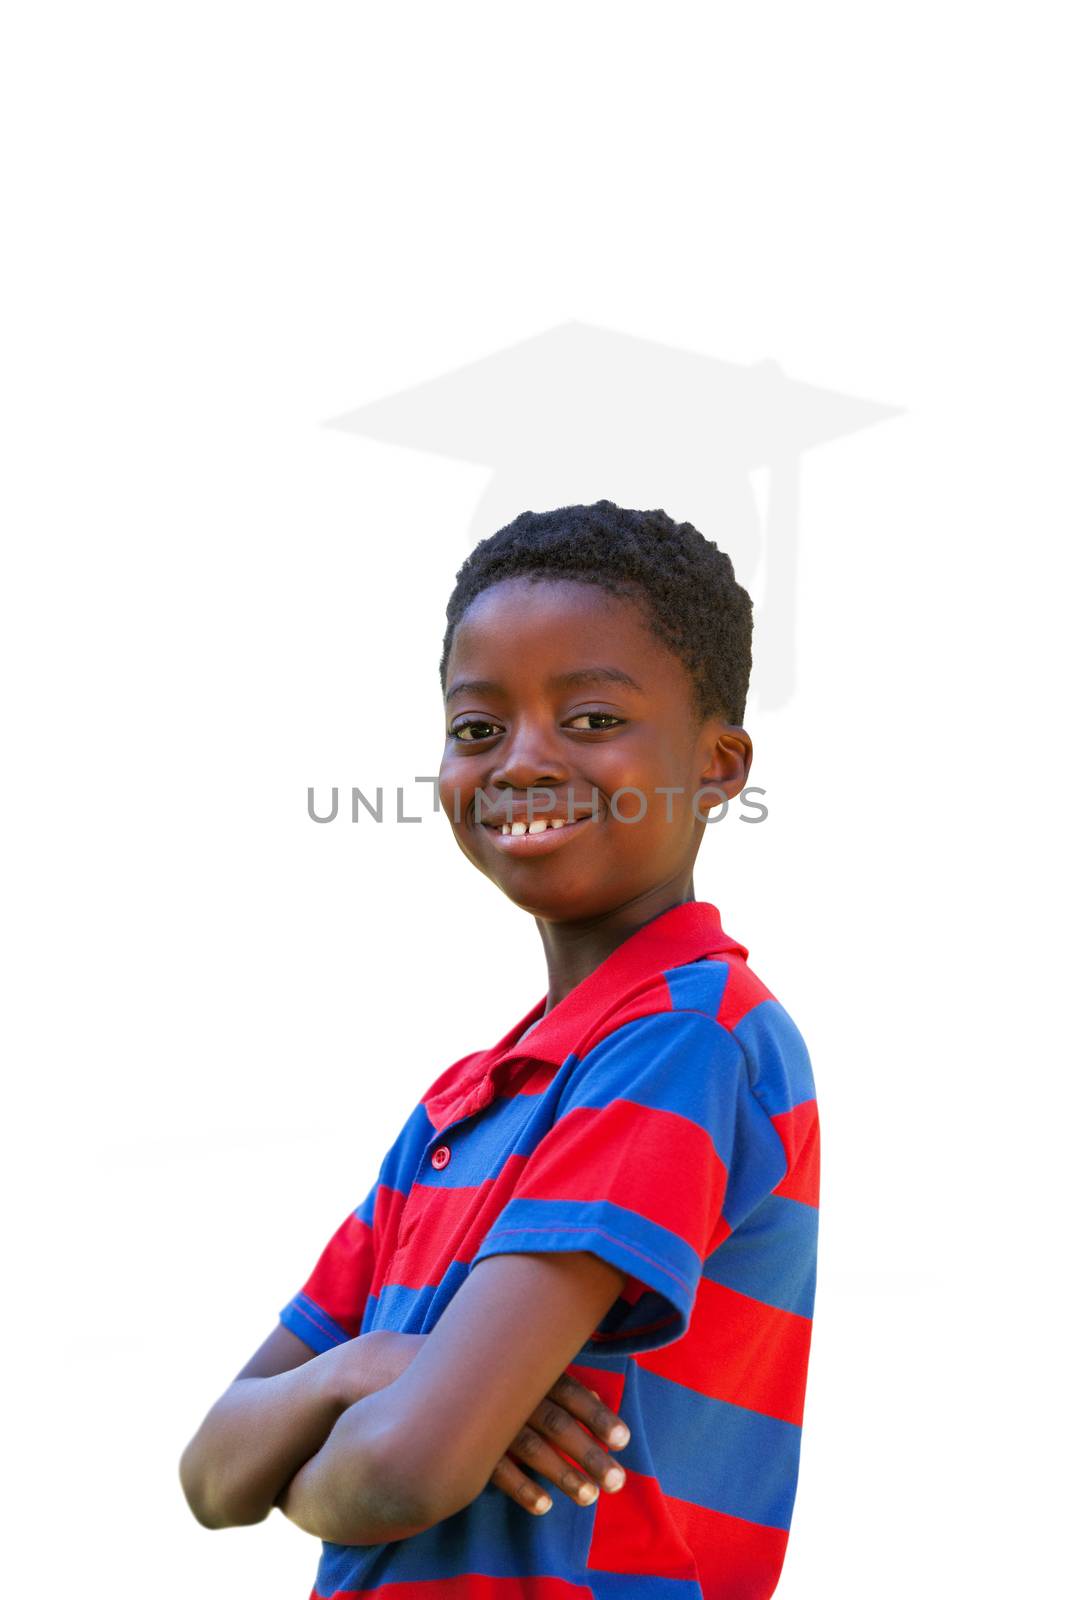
594 721
476 728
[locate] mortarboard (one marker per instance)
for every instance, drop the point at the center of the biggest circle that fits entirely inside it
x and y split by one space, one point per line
580 413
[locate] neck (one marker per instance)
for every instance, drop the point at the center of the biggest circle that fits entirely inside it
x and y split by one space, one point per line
575 949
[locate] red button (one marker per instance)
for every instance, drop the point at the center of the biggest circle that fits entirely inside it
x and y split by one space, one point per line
441 1157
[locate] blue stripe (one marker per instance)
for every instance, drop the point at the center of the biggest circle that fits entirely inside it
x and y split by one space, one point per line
759 1161
698 987
678 1061
492 1535
653 1255
401 1164
636 1586
771 1257
480 1145
724 1457
310 1323
778 1062
406 1310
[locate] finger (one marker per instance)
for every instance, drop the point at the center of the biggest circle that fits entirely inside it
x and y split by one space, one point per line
590 1409
534 1451
565 1435
518 1487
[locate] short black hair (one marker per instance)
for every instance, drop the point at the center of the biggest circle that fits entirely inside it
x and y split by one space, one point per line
684 582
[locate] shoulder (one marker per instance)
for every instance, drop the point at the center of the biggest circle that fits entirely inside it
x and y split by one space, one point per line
725 988
721 989
660 1048
715 1010
779 1067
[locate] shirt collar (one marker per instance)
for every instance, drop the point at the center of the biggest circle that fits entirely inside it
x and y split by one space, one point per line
673 939
676 937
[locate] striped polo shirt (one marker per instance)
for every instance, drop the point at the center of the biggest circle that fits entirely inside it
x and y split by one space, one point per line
663 1117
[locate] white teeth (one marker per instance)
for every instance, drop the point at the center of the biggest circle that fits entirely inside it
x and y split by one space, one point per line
539 825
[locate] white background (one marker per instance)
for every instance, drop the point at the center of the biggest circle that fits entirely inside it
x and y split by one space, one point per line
227 224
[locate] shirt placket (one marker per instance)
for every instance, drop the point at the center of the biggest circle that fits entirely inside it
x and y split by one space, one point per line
437 1152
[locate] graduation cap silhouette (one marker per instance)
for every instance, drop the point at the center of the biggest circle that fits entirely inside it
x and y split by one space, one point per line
580 413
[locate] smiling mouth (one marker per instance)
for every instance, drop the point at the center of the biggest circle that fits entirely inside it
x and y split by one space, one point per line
543 833
538 825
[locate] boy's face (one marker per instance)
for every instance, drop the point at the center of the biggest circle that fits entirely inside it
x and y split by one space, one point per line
556 690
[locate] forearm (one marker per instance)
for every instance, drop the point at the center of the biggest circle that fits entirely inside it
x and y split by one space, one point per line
420 1451
262 1430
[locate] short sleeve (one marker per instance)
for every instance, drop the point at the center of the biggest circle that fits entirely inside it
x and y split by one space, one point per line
329 1308
656 1130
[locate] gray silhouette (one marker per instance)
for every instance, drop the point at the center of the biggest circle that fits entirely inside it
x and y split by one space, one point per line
580 413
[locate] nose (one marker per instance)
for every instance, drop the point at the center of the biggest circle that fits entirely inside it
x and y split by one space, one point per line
530 759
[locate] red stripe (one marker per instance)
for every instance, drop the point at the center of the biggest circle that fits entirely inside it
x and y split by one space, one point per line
633 1532
741 1351
452 1083
388 1206
657 1163
799 1132
743 991
532 1078
442 1225
650 1002
641 1530
340 1282
738 1560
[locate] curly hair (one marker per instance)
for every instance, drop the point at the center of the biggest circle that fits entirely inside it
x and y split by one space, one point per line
684 583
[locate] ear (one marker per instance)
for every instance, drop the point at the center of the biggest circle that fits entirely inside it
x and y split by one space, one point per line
724 757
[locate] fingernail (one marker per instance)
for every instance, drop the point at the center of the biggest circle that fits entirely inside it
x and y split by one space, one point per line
542 1505
614 1478
619 1436
586 1494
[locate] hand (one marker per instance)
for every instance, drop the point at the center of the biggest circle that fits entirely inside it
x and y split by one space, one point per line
553 1432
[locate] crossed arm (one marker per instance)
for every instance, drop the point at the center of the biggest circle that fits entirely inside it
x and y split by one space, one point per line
391 1433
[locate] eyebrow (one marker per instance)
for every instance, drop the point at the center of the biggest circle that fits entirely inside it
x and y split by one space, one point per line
563 680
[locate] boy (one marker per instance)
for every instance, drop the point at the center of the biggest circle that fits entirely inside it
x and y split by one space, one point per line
596 1238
